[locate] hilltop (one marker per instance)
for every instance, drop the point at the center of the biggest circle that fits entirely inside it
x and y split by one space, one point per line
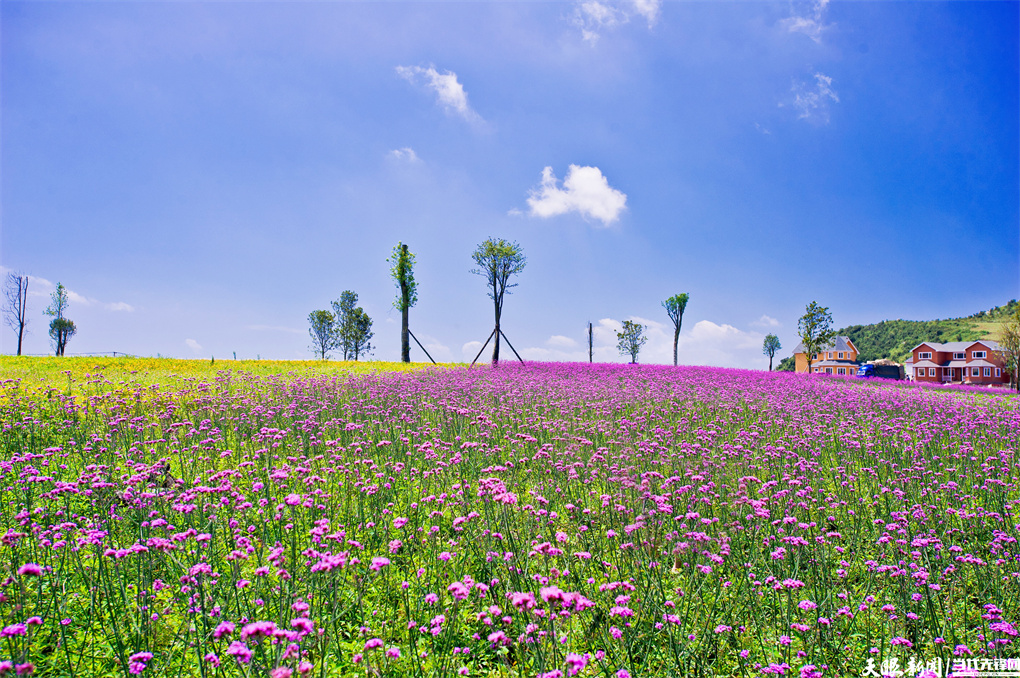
893 339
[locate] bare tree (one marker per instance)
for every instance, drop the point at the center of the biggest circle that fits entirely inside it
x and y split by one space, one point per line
498 260
16 304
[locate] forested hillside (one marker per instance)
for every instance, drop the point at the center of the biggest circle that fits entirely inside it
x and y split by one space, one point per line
893 339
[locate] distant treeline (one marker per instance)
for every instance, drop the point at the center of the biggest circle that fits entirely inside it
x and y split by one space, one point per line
894 339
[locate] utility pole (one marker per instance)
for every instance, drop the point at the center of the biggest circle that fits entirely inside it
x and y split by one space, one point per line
589 343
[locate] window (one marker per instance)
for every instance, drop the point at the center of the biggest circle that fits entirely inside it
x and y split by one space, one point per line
828 370
998 371
987 371
959 356
830 355
841 370
975 371
924 355
931 371
979 354
815 358
840 356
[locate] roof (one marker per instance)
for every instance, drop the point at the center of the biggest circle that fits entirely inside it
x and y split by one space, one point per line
840 343
926 363
954 346
835 363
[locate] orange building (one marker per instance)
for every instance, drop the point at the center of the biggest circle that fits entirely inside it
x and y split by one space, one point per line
840 357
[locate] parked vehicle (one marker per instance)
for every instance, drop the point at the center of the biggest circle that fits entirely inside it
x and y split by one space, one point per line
869 371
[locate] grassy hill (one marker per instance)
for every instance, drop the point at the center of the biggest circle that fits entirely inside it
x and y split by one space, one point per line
893 339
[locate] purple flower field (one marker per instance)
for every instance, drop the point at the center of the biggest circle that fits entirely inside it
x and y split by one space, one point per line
541 520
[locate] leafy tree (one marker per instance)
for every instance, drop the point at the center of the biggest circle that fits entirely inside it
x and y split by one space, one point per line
770 346
354 327
16 304
787 364
323 332
61 329
497 260
815 330
1009 347
631 339
675 306
402 270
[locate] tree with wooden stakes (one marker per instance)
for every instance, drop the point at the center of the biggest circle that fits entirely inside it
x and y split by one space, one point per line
497 261
402 269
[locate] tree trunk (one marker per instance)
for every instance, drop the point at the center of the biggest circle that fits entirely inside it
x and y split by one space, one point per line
405 307
676 339
495 347
21 333
405 339
770 363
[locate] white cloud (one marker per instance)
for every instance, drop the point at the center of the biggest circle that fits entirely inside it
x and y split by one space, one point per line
41 287
273 328
559 340
584 190
470 349
813 104
649 9
405 154
811 24
765 321
440 352
704 343
594 17
193 345
449 91
76 298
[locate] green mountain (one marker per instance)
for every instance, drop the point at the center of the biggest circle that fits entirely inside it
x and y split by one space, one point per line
893 339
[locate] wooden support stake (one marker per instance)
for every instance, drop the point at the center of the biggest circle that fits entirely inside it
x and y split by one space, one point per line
491 334
589 342
511 346
419 344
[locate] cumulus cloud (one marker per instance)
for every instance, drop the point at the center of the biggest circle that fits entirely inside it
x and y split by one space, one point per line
448 90
469 349
584 191
812 104
765 321
704 343
193 345
405 154
119 306
594 17
811 23
439 351
558 340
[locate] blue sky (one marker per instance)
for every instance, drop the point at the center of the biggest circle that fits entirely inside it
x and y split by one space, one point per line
202 175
